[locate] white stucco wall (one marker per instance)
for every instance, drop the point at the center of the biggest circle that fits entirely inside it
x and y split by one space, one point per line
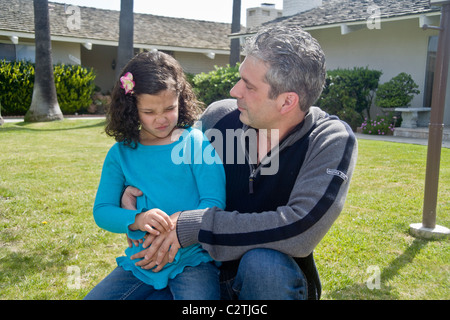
101 57
198 62
66 52
398 46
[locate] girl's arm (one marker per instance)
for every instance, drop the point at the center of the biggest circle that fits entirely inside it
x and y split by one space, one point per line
107 211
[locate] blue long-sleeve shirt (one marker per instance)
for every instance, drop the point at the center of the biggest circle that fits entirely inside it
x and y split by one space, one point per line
183 175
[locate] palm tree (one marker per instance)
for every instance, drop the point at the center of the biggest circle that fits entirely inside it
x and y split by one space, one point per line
235 54
126 25
44 103
1 119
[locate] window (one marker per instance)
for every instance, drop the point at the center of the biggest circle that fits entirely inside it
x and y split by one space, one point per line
24 52
11 52
7 52
429 73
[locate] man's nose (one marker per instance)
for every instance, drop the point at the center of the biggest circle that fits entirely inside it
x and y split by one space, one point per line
235 91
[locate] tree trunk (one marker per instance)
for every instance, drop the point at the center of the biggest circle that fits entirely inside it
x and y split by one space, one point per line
44 103
125 50
235 46
1 119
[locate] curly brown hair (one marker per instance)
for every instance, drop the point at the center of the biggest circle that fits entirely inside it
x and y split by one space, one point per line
152 72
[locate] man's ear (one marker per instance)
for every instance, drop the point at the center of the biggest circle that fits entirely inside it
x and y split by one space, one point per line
288 101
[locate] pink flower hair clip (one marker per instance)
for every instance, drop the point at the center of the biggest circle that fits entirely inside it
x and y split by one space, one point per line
127 82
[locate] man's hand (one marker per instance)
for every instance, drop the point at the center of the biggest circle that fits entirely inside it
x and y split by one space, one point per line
129 196
132 242
168 246
163 249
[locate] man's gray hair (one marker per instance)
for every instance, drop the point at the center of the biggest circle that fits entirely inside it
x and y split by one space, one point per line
295 59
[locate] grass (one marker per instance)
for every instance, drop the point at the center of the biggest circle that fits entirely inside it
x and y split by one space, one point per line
50 247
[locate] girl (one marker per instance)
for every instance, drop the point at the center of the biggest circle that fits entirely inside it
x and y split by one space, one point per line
151 114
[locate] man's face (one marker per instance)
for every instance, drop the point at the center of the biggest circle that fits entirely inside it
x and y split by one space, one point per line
252 94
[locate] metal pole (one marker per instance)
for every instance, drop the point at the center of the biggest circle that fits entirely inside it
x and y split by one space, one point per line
428 229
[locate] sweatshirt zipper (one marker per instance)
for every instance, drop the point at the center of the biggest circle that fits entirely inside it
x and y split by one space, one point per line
254 171
251 178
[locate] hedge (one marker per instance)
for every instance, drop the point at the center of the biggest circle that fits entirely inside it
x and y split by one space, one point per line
74 87
215 85
348 93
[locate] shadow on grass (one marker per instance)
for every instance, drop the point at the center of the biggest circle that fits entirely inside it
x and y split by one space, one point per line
24 126
24 270
361 290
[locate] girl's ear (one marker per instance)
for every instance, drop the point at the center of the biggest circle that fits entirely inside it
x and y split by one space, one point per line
288 102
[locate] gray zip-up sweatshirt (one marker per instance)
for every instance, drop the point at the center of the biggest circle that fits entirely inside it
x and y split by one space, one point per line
316 199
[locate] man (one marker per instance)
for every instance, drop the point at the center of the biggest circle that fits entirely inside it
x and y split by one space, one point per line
287 191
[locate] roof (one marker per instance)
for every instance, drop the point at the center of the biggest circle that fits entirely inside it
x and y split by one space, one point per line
103 25
333 12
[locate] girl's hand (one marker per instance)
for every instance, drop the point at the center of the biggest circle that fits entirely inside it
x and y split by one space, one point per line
153 221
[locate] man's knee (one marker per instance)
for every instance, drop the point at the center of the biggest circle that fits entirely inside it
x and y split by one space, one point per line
269 274
265 259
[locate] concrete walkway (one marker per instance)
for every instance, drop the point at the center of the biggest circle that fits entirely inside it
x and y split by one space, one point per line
420 141
85 117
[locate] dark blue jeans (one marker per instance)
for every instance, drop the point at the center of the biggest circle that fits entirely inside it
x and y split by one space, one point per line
194 283
263 274
266 274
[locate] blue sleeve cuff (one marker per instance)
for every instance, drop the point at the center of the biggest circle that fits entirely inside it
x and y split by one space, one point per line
136 234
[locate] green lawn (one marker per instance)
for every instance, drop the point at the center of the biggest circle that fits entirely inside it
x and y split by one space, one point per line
50 247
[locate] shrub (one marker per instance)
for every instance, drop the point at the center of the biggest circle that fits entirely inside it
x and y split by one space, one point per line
379 126
348 93
74 87
397 92
16 87
215 85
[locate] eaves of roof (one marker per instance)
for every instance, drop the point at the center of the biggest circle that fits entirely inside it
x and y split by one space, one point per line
335 13
99 26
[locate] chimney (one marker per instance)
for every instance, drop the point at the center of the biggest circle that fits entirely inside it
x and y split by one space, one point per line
259 15
291 7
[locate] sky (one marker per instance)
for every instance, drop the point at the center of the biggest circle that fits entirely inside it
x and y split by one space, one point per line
209 10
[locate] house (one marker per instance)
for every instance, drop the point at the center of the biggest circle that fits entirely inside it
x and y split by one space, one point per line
90 36
385 35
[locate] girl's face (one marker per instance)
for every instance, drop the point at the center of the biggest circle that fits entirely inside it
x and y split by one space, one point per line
158 114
